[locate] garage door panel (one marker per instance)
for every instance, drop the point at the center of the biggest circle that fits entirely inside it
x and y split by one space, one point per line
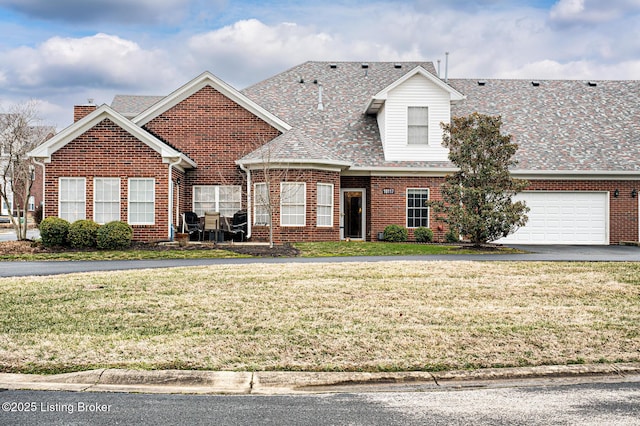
563 218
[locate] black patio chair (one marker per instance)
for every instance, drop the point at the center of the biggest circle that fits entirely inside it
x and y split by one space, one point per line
191 224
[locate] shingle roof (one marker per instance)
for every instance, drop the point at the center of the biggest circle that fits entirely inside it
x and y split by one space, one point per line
340 128
132 105
563 124
559 125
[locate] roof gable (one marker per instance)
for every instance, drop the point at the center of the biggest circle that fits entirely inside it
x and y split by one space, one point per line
203 80
48 148
379 98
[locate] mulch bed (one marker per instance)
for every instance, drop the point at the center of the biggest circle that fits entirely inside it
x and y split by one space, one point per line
31 247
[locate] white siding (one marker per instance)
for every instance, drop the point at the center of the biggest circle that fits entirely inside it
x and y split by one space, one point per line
416 91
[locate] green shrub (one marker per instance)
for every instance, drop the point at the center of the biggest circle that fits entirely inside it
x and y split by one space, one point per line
423 235
54 231
396 233
83 233
114 236
452 236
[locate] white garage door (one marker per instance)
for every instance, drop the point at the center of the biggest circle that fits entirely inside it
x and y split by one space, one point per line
563 218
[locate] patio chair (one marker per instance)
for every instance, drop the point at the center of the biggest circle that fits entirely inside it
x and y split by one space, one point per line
212 226
191 225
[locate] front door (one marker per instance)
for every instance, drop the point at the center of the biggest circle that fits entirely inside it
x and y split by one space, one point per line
352 214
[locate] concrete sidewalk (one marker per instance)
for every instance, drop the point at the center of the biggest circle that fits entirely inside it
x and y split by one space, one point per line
283 382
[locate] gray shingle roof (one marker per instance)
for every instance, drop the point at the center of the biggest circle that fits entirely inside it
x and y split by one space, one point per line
559 125
132 105
563 124
341 128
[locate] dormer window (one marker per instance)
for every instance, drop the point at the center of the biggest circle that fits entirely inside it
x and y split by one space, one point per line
418 125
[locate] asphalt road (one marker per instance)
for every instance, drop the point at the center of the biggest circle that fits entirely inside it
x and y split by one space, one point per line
536 253
546 403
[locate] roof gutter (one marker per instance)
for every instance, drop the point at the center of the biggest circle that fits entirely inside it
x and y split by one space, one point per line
171 198
249 221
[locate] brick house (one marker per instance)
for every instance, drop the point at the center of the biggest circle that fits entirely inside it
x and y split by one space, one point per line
341 150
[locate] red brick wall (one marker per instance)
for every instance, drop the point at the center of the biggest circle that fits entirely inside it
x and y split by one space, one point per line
310 232
390 209
394 205
108 151
214 132
81 111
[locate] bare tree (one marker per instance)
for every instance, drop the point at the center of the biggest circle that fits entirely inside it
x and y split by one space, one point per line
20 132
270 167
267 201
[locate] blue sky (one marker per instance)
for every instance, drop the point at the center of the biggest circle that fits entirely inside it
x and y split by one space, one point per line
63 52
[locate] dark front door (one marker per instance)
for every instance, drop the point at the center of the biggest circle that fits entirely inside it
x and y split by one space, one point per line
353 214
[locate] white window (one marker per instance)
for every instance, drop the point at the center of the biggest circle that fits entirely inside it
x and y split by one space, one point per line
418 125
106 200
325 204
226 199
32 203
260 204
142 201
417 210
72 199
293 204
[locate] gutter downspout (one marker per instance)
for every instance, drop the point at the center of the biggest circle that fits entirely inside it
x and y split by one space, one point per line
171 197
44 179
248 172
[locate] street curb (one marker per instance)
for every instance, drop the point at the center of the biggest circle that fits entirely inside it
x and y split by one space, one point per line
290 382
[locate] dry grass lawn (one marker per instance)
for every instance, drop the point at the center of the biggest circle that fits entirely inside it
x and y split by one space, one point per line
355 316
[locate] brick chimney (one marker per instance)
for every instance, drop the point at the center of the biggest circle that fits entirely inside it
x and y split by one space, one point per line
81 111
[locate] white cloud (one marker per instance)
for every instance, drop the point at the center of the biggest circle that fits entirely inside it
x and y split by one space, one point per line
100 60
575 12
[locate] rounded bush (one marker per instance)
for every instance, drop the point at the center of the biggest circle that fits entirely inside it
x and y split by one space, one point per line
423 235
83 233
54 231
452 236
396 233
114 236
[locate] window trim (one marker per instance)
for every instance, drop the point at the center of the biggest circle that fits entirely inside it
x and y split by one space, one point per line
84 197
428 191
330 206
257 204
95 198
216 201
302 185
410 125
129 202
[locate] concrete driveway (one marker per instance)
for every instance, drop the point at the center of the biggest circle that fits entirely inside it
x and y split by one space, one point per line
535 254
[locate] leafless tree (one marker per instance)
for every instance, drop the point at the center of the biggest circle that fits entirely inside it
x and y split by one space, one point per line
270 169
20 132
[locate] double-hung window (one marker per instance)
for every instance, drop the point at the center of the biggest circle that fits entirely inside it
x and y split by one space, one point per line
417 125
325 204
142 201
106 200
417 210
261 204
226 199
293 204
72 198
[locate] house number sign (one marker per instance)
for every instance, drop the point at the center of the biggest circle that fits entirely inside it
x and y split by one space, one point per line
388 191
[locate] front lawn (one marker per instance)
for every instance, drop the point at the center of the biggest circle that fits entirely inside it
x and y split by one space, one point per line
382 316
